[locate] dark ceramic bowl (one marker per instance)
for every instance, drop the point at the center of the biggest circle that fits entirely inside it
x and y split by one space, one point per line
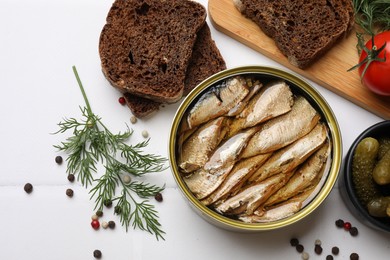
347 188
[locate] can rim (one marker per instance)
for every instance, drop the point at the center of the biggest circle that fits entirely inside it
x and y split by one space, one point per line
314 95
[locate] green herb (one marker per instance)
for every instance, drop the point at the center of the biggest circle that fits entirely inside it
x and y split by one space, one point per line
373 16
91 144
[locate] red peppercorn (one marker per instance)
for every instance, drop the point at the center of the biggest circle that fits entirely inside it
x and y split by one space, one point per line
122 100
347 226
95 224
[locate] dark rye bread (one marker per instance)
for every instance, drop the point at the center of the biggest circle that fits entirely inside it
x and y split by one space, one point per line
145 46
302 30
205 61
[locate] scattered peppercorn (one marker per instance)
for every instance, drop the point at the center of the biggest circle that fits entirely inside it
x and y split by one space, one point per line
335 250
354 256
305 256
71 177
104 224
94 217
28 187
58 159
339 223
99 213
97 254
126 179
95 224
300 248
122 100
347 226
329 257
318 249
107 203
145 134
111 224
354 231
294 242
158 197
117 210
317 242
133 119
69 192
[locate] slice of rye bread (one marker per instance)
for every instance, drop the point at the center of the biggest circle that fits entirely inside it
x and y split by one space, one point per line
145 46
206 60
302 30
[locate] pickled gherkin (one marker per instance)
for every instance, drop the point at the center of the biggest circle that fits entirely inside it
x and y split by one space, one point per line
384 146
381 173
363 163
378 207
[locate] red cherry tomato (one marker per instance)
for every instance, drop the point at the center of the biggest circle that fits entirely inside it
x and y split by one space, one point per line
377 75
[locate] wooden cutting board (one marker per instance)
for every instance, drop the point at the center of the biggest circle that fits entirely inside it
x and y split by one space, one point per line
330 71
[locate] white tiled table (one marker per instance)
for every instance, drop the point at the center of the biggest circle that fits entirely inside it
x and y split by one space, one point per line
40 41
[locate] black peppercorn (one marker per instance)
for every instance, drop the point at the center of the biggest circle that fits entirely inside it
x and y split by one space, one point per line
69 192
158 197
353 231
28 187
294 242
340 223
99 213
300 248
318 249
58 159
117 210
107 203
335 250
111 224
329 257
97 254
71 177
354 256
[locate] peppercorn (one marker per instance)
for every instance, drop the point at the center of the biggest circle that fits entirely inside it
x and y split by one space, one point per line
104 224
294 242
300 248
58 159
71 177
354 231
317 242
329 257
69 192
28 187
107 203
111 224
354 256
95 224
122 100
97 254
347 226
335 250
99 213
339 223
305 256
133 119
318 249
126 179
94 217
158 197
117 210
145 134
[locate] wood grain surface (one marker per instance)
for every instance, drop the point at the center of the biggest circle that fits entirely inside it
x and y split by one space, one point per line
330 71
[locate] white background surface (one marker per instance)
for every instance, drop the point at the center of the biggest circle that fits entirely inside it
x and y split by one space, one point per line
40 41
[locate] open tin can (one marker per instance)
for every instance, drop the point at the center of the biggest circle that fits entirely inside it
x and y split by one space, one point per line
298 87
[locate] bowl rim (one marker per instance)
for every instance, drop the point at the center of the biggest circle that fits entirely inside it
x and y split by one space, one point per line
315 96
348 184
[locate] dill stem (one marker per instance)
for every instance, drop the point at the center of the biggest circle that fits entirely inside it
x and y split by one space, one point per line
82 91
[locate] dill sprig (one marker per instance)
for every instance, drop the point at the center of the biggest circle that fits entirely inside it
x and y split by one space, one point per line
92 143
373 16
